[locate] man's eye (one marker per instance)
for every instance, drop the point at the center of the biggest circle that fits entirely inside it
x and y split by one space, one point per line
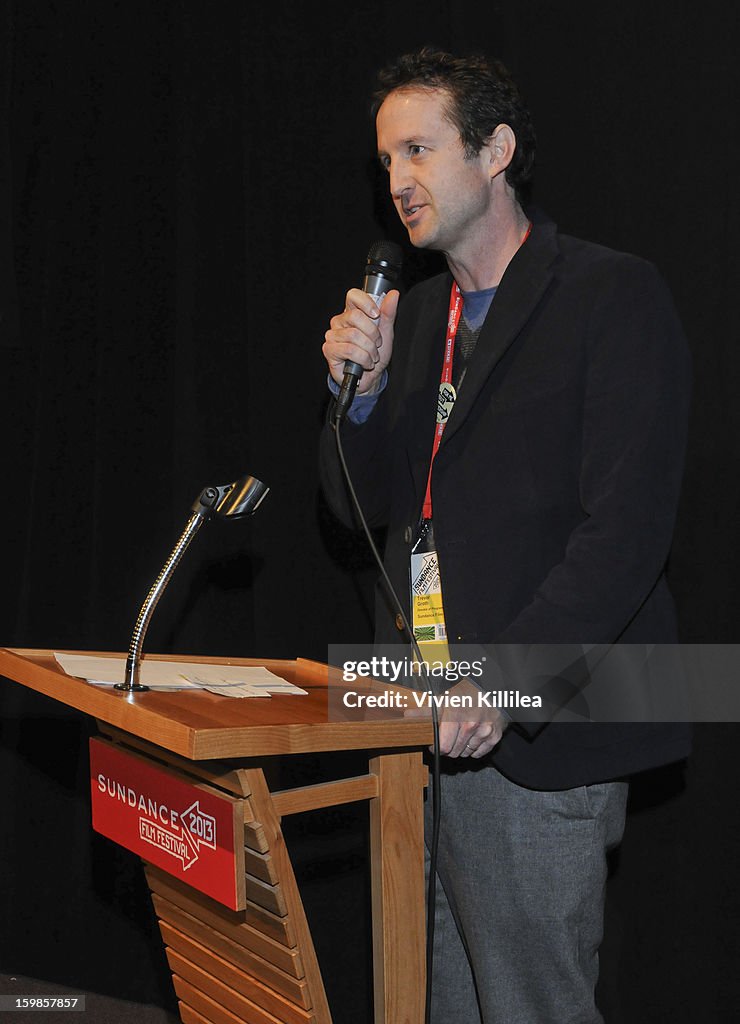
416 150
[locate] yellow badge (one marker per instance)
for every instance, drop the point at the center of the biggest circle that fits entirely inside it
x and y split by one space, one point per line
426 607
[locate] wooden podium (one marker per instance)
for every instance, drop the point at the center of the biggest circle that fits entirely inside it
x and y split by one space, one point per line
257 965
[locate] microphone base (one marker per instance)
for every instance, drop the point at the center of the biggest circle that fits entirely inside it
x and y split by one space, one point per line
131 687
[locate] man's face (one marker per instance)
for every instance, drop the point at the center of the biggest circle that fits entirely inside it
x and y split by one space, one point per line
442 196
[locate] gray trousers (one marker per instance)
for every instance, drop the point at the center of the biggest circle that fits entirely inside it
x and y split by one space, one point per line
521 876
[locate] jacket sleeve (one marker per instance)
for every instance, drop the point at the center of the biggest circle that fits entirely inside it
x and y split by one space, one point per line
370 447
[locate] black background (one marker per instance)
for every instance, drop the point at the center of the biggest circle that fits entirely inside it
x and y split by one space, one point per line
186 192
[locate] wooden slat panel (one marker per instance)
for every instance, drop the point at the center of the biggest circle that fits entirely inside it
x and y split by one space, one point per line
264 810
216 915
260 865
271 982
278 928
254 836
190 1016
268 896
218 992
229 942
201 1006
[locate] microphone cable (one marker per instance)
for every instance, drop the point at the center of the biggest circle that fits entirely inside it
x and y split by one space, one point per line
436 791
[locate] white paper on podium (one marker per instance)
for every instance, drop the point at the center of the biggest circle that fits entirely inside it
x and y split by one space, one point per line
226 680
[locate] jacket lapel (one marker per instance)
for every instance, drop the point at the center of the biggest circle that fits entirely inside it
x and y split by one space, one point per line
526 278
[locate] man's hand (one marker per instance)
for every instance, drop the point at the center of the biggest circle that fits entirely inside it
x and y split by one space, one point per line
363 333
466 732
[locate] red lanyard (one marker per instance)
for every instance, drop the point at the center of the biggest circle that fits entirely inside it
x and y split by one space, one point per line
446 396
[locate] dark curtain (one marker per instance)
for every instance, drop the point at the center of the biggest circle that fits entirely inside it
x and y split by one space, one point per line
186 192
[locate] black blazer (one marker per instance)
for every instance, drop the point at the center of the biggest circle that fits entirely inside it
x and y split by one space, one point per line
556 483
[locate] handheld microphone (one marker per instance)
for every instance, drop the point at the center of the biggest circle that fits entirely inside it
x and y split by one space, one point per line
383 267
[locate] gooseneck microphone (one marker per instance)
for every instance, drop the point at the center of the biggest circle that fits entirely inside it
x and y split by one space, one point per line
382 270
223 501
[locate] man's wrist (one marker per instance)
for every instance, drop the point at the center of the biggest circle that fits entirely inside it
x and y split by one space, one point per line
363 404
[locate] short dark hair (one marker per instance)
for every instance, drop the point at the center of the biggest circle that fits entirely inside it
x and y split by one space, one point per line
482 95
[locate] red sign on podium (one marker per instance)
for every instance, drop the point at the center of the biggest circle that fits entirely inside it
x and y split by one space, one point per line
184 828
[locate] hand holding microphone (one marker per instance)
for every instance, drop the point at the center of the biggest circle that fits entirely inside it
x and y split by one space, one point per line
359 342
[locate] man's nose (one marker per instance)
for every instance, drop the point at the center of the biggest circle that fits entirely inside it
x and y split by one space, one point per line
400 183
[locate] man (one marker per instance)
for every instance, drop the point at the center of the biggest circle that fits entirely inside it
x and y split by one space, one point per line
551 507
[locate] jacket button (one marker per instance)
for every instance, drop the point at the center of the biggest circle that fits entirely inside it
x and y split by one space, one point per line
399 622
408 535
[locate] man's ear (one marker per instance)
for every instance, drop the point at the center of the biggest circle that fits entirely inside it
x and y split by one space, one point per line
501 146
